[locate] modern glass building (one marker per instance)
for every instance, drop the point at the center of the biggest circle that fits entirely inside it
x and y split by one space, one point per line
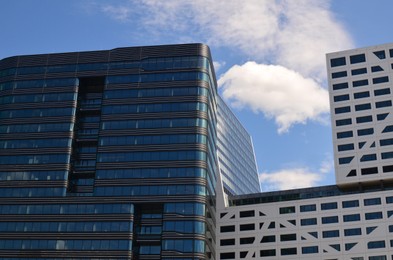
112 154
236 156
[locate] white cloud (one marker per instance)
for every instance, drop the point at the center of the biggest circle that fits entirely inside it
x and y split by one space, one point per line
275 91
297 177
218 65
289 179
293 34
327 166
120 13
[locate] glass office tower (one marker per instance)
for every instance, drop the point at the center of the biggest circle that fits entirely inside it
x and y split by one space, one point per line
108 154
236 156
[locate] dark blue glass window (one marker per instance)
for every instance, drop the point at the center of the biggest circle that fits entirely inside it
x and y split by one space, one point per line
149 250
308 208
289 251
359 71
345 147
339 74
154 123
387 129
310 250
341 98
373 215
153 108
368 157
151 156
339 86
328 206
35 143
352 232
330 233
376 68
357 58
382 116
371 170
337 62
380 80
380 54
184 245
376 244
345 160
37 112
342 122
151 173
345 134
385 142
386 103
350 204
340 110
34 159
308 221
288 237
352 217
367 131
364 119
387 155
372 201
287 210
152 139
360 83
187 226
364 94
362 107
330 220
267 252
268 239
380 92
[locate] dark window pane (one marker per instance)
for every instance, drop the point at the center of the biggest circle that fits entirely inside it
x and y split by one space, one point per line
341 122
364 119
357 58
359 83
362 107
339 74
345 134
386 103
367 171
364 94
367 131
341 98
337 62
340 110
339 86
380 54
380 80
359 71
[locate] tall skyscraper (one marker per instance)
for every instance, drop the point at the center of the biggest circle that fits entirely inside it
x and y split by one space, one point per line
111 154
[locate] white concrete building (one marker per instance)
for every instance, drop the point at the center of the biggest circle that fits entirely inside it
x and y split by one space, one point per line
351 220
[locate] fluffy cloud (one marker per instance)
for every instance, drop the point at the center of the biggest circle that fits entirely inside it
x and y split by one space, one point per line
292 34
289 179
276 91
296 177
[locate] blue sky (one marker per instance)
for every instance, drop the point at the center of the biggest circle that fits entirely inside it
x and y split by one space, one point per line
269 58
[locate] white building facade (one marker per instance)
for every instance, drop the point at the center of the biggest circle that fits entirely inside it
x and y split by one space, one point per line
350 220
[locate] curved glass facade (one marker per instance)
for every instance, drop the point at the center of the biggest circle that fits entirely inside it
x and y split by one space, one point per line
110 154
